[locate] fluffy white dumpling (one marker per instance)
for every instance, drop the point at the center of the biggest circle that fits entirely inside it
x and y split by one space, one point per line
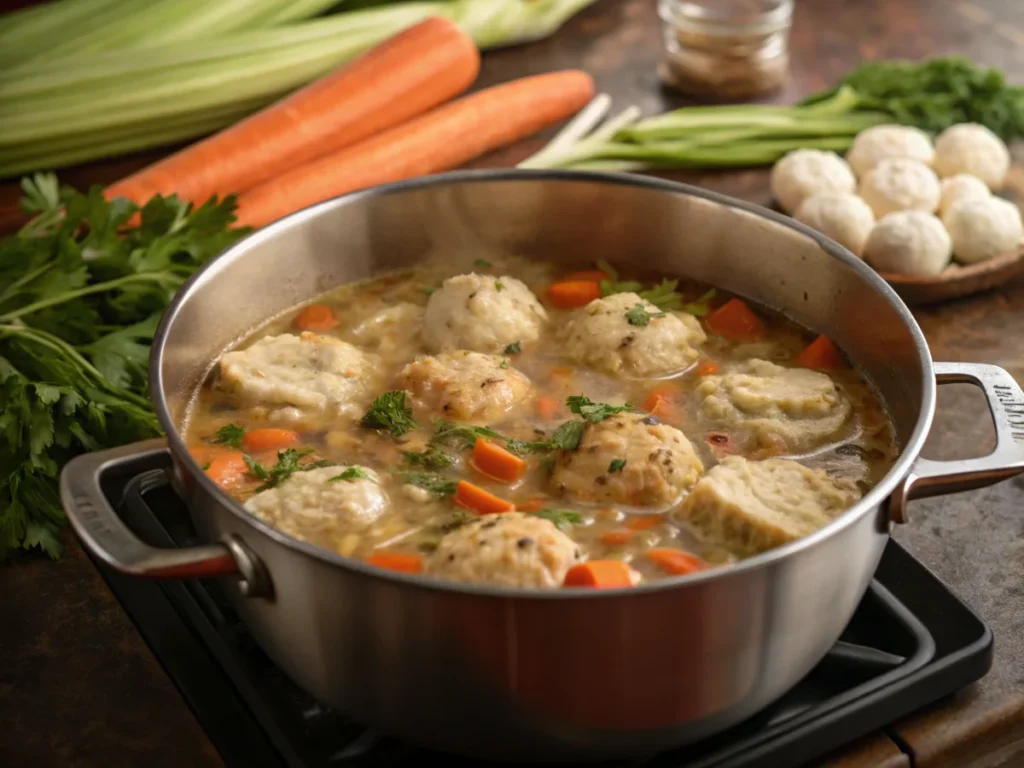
981 229
807 172
844 217
909 243
889 142
963 186
900 185
974 149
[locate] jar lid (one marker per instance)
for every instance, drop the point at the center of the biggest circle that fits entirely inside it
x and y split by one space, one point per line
728 16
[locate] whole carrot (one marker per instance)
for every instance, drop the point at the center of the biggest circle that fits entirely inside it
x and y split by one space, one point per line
403 77
437 141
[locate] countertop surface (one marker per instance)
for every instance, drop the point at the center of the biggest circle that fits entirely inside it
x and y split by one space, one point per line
79 687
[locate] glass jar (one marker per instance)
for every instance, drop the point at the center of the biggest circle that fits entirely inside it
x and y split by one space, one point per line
726 49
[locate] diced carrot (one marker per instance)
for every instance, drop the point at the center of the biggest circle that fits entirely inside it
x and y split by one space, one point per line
315 317
533 505
675 561
586 274
821 354
573 294
663 403
476 498
734 320
227 469
396 561
644 522
497 463
546 407
600 574
707 368
259 440
617 538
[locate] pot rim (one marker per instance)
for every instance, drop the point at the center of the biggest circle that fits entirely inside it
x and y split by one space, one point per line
871 501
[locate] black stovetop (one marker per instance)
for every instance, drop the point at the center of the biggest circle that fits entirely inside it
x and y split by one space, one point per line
910 643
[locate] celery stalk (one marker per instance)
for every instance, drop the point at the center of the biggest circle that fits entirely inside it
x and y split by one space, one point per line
495 24
296 10
739 154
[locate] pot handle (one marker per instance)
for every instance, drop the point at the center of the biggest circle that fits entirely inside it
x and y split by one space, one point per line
106 535
1006 406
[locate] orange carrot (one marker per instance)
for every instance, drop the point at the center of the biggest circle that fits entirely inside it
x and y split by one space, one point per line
546 407
403 77
663 403
707 368
259 440
563 372
643 522
617 538
497 463
533 505
595 275
438 141
601 574
675 561
573 294
227 469
734 320
396 561
476 498
315 317
822 354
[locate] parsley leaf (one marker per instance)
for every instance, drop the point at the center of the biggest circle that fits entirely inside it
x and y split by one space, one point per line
499 286
389 412
617 465
562 518
504 364
350 474
287 465
483 263
462 435
639 315
567 437
702 306
595 412
431 458
663 295
437 484
230 435
514 348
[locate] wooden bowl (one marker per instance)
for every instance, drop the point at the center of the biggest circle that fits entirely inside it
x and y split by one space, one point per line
957 281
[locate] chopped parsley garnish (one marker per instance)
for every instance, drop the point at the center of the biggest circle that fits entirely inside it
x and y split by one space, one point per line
483 263
548 465
499 286
389 412
462 435
427 547
287 465
230 435
504 364
639 315
431 458
594 412
617 465
702 306
610 287
429 290
437 484
562 518
567 437
350 474
206 466
459 518
514 348
663 295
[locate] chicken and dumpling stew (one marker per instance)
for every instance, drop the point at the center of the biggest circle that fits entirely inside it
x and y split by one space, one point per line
505 423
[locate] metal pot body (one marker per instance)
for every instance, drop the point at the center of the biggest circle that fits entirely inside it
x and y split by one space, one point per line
569 674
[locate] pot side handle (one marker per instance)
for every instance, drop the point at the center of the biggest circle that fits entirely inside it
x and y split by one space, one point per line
1006 405
105 535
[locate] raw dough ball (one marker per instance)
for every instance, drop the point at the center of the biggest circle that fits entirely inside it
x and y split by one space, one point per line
844 217
974 149
900 185
660 463
889 142
807 172
963 186
508 550
482 313
909 243
981 229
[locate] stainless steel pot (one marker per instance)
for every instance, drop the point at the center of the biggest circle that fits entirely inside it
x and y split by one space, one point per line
566 674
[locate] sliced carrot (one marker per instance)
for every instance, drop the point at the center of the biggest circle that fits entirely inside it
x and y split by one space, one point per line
440 140
600 574
821 354
663 403
396 561
734 320
573 294
533 505
586 274
227 469
644 522
546 407
476 498
315 317
497 463
675 561
259 440
617 538
414 71
707 368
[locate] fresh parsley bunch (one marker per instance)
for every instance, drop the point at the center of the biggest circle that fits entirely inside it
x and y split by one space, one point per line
82 288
